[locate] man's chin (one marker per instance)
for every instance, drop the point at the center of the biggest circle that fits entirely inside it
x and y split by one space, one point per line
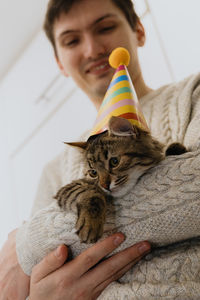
101 89
102 83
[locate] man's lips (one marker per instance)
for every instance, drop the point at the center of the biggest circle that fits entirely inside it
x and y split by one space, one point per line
98 68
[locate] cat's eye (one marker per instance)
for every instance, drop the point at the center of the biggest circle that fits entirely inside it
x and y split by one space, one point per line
113 162
92 173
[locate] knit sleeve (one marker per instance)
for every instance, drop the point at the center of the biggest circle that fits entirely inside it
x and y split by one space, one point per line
164 208
50 182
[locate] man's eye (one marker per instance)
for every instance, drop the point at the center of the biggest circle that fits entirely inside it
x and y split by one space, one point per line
107 29
92 173
70 43
113 162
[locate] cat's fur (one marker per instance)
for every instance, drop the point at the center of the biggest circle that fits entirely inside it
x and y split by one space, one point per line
116 160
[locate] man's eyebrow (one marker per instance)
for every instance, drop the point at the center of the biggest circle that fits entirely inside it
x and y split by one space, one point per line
94 23
103 17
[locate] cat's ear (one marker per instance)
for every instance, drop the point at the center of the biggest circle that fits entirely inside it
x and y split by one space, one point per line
81 145
121 127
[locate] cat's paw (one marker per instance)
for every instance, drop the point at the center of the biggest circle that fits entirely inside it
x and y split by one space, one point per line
91 219
89 230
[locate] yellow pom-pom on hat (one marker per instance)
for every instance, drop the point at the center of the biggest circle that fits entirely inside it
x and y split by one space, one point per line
120 99
119 56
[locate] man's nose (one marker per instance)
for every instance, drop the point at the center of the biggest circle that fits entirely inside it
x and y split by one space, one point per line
93 47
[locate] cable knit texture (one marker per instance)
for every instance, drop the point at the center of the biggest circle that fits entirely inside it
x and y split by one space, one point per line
162 208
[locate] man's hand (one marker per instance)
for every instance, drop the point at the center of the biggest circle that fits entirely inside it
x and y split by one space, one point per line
14 284
85 277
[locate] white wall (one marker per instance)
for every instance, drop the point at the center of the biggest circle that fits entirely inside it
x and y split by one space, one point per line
20 20
37 104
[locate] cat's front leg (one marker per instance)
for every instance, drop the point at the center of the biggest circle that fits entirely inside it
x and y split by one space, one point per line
86 199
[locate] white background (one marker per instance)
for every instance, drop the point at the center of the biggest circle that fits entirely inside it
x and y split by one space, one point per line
37 104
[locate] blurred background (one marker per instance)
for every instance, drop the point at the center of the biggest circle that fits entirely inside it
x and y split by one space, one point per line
36 102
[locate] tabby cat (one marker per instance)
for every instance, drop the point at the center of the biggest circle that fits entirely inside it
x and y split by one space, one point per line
116 159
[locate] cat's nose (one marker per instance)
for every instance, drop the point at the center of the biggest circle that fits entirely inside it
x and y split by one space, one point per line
106 185
104 181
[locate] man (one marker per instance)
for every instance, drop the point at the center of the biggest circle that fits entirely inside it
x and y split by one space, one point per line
83 36
82 44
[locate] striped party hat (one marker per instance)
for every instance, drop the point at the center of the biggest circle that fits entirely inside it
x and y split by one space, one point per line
120 99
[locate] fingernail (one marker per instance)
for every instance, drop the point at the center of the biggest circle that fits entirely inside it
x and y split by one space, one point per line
144 247
118 240
58 252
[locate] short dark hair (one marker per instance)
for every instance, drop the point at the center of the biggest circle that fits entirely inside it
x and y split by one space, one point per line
56 7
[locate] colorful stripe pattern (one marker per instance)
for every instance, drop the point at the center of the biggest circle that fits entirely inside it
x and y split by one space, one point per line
120 100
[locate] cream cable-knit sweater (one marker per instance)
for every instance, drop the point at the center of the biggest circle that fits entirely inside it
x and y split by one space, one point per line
163 208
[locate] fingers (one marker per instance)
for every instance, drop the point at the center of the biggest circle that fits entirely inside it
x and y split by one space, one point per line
99 289
114 277
115 266
90 257
50 263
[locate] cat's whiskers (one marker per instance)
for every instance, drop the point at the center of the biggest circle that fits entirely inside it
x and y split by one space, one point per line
121 180
117 184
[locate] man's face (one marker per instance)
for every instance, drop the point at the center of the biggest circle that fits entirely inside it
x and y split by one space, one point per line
84 39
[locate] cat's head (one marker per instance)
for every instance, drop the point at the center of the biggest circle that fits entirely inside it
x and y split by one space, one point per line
119 156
